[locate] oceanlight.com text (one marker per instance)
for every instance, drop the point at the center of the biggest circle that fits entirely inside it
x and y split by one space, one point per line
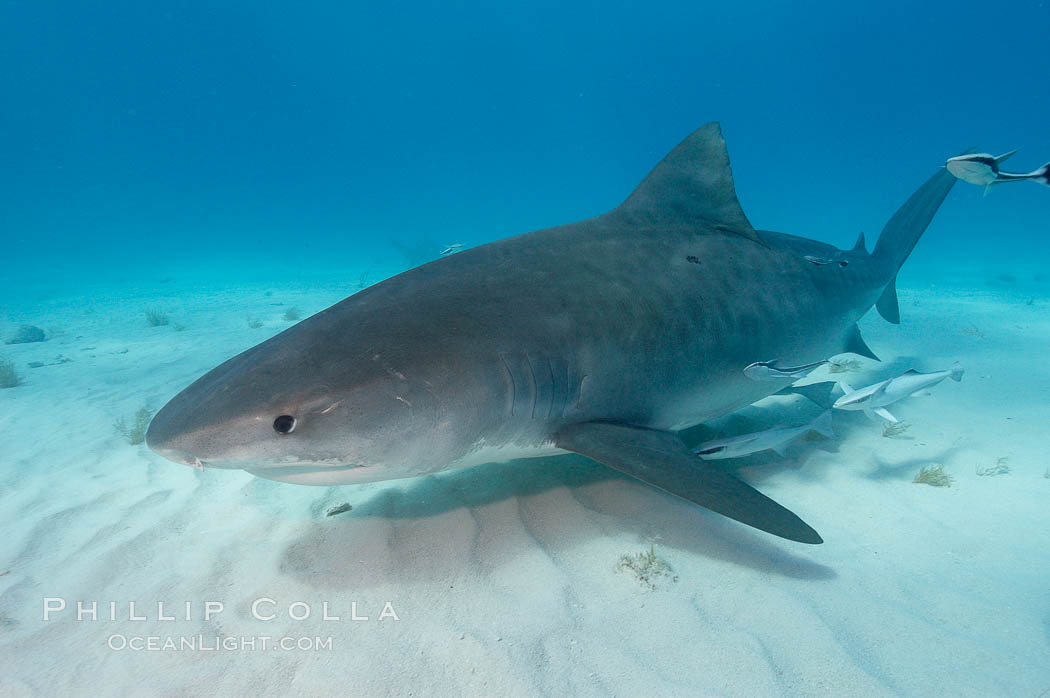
215 643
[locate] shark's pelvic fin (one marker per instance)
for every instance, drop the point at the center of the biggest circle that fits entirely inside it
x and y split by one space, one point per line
819 393
693 186
855 344
659 458
887 304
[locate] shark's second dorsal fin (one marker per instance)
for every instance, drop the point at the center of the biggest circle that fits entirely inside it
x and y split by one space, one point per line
692 185
860 246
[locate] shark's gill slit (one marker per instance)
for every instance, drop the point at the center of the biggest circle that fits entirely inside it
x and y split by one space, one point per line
534 387
511 385
554 388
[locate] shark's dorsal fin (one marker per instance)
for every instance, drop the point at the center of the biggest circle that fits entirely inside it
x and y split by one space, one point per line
860 246
692 185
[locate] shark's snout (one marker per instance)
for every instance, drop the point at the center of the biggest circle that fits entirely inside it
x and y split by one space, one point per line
171 435
162 440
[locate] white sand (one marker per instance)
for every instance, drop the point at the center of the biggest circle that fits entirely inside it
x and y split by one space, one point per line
504 576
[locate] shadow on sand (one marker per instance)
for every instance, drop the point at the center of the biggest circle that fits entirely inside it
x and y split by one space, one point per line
494 503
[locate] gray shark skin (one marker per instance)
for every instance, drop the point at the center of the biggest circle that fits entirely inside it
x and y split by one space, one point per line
603 337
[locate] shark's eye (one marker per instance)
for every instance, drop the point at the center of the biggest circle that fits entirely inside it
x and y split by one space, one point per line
284 424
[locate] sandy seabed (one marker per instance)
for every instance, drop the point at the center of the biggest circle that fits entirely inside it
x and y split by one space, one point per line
506 579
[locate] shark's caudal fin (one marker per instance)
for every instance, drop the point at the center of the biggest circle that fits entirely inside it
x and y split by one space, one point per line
904 229
691 186
662 460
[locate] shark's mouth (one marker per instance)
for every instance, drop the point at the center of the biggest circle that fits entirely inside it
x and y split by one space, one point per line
312 474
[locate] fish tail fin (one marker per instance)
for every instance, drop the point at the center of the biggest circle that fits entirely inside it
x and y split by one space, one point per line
1042 175
1005 156
956 372
905 228
822 425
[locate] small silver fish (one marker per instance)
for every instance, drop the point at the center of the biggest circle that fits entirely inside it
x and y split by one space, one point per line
776 439
770 371
872 399
451 249
983 170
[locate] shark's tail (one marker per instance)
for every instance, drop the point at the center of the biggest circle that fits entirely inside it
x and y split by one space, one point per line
903 230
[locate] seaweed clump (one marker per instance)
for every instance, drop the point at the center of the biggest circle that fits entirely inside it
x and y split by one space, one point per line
292 314
9 378
648 568
894 429
156 318
933 475
27 334
135 432
1000 467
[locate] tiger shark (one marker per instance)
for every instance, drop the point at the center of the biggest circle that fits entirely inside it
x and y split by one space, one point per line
603 337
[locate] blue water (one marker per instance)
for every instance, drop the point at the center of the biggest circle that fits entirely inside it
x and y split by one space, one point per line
238 139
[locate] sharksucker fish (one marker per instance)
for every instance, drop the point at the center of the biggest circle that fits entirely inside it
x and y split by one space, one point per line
873 399
772 370
602 337
776 439
983 169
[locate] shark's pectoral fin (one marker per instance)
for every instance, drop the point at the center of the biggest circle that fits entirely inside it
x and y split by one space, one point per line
855 344
659 458
885 414
887 304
